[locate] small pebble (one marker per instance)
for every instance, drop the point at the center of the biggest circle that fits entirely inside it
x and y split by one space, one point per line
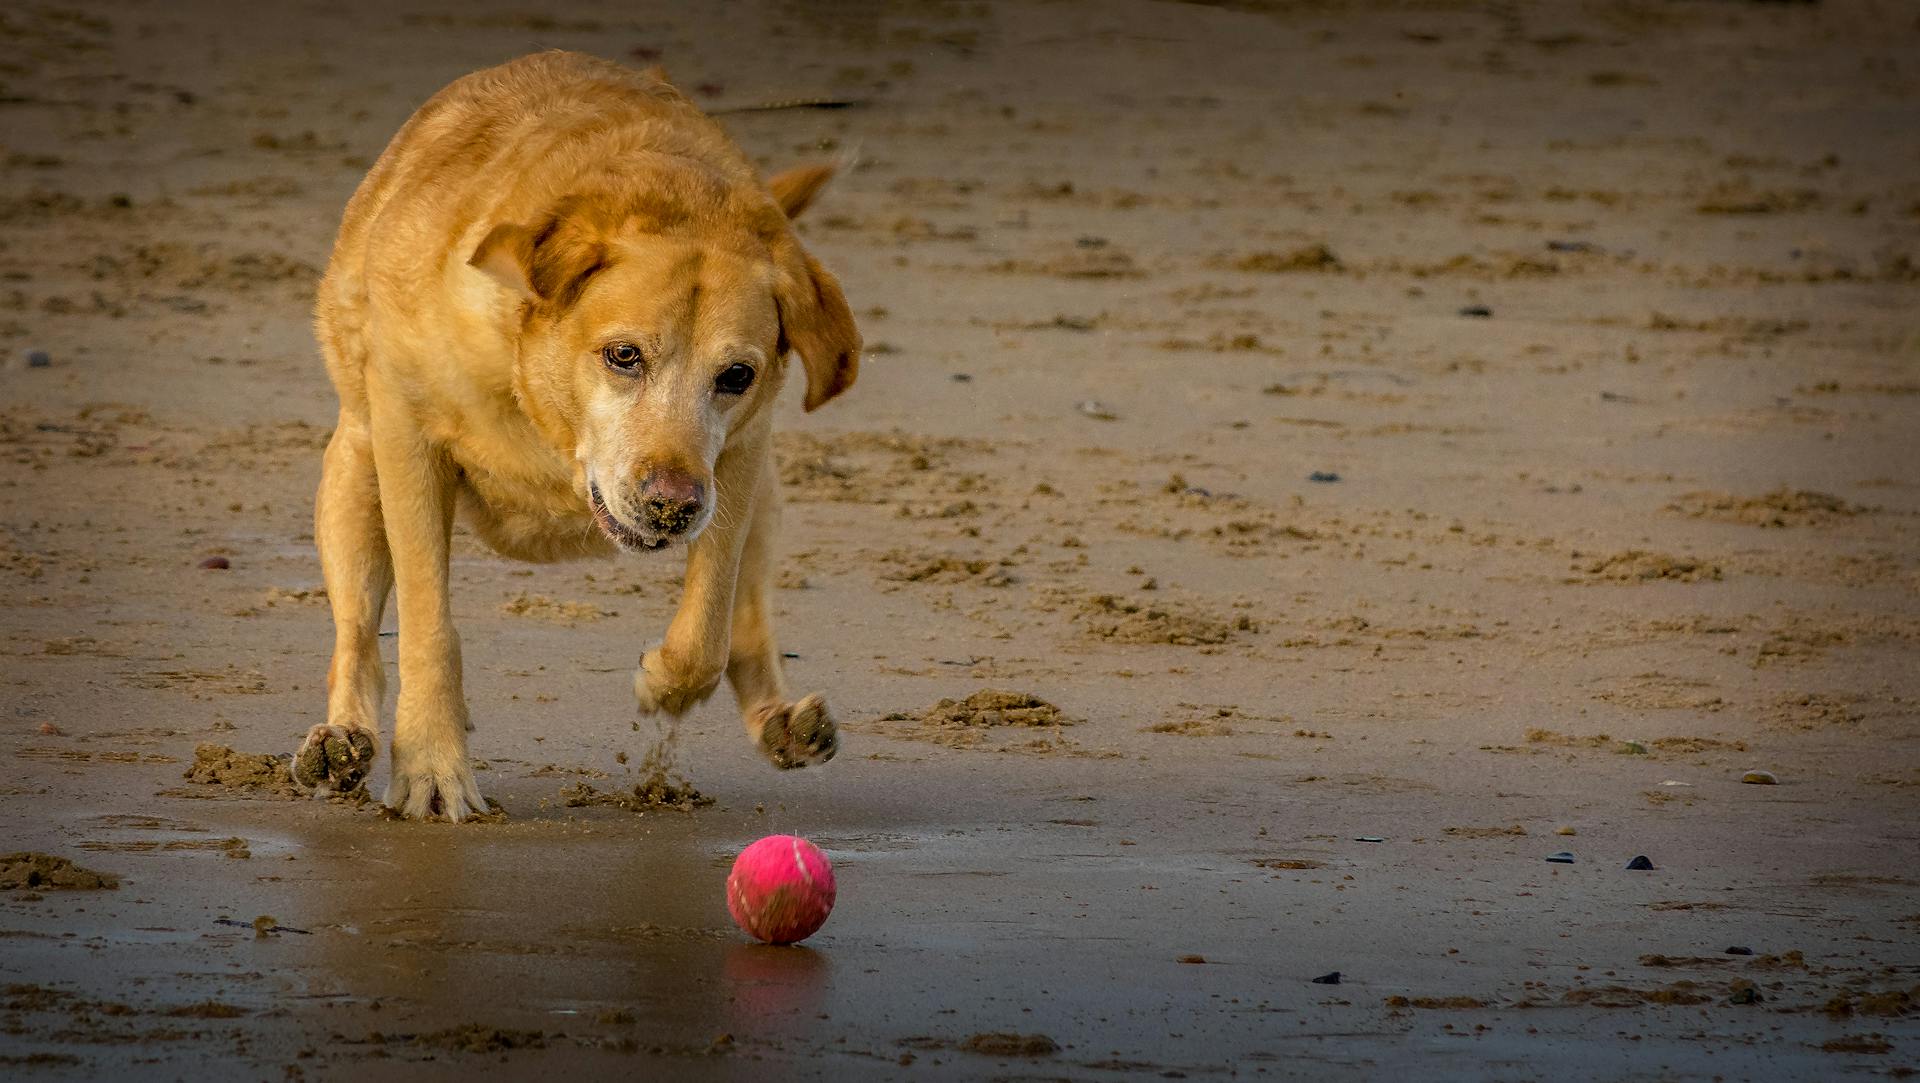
1332 978
1565 831
962 377
1737 950
1640 864
48 729
1633 748
1478 312
1760 778
38 359
1569 246
1561 858
1097 411
1745 994
216 563
1325 477
1194 959
1369 838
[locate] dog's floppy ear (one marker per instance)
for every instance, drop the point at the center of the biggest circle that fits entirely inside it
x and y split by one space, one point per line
796 189
546 263
816 323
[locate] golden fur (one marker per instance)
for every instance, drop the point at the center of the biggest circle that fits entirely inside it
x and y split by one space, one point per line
522 223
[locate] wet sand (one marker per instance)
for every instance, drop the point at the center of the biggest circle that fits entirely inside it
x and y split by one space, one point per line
1602 316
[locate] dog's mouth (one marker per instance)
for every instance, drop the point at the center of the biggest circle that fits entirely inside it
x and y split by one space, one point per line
623 535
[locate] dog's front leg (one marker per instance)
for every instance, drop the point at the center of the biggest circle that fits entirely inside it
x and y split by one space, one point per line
417 489
338 753
789 734
686 666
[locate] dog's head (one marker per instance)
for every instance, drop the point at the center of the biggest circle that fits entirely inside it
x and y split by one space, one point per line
653 332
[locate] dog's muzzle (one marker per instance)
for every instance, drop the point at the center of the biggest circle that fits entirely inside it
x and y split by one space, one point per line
671 502
624 536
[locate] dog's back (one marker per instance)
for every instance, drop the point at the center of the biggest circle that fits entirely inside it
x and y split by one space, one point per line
496 145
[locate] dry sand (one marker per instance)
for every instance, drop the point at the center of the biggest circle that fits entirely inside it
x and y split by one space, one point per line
1131 274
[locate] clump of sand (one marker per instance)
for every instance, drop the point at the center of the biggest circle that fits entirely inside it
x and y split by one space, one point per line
227 773
987 708
30 871
1781 508
965 723
1640 566
915 567
1484 832
255 773
656 793
1008 1044
1119 620
1192 727
480 1038
1313 257
541 607
662 786
1622 996
1890 1004
1436 1003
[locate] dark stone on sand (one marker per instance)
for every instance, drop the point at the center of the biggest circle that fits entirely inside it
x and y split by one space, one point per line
38 359
1640 864
1561 858
1330 978
1736 950
1478 312
1324 477
218 564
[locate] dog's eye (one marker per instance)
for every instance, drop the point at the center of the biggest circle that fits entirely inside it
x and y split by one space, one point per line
621 356
734 380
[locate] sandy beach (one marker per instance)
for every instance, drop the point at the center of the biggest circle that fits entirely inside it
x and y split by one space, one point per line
1312 463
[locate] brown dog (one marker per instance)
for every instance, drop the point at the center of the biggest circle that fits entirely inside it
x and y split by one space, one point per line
561 302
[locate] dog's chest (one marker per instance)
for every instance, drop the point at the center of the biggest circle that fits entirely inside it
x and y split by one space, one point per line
527 506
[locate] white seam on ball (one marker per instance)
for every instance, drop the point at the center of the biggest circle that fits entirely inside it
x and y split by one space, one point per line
801 864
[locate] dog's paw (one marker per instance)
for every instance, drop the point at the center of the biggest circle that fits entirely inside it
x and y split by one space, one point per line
334 758
429 788
662 686
797 734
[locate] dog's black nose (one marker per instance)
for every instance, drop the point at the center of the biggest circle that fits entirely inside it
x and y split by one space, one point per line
671 502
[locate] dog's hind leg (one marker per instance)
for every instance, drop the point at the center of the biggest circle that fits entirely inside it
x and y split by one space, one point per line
338 754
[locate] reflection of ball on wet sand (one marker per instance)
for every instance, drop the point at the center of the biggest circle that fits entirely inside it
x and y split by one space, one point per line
781 889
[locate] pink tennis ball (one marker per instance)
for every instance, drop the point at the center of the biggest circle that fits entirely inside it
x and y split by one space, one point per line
780 889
